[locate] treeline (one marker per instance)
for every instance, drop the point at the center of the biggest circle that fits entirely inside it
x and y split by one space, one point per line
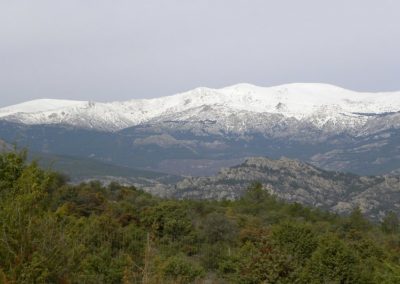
53 232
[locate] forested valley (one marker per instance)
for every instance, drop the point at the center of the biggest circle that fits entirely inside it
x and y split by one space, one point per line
55 232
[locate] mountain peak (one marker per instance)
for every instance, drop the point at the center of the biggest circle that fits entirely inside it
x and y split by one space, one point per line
241 86
313 102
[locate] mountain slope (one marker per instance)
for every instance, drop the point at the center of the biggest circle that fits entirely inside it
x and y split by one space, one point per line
86 169
294 181
194 132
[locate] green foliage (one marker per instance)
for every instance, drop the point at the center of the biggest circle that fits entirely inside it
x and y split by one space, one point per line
53 232
12 165
333 262
297 240
182 269
167 220
218 228
263 263
357 222
391 224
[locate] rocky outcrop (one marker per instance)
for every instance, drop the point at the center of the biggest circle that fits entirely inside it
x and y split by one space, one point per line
294 181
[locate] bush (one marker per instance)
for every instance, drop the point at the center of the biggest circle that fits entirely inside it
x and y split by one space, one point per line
333 262
181 269
218 228
295 239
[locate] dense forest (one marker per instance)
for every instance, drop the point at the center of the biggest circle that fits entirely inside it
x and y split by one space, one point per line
55 232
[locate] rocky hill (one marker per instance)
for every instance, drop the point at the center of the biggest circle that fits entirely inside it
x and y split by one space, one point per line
294 181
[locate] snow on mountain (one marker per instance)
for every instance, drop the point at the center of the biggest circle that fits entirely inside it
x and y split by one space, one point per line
321 105
35 106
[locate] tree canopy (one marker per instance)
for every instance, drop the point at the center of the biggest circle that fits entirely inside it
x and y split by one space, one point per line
55 232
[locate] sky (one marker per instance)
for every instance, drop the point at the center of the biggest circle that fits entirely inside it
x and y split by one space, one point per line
127 49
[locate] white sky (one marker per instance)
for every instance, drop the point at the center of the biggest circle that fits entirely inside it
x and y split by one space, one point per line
124 49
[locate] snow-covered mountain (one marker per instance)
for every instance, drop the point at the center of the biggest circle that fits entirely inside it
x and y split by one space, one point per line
236 109
197 132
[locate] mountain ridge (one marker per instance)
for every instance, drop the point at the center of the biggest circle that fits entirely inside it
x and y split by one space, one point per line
327 126
294 181
320 104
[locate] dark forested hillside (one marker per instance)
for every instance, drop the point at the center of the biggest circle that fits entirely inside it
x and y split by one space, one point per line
172 147
53 232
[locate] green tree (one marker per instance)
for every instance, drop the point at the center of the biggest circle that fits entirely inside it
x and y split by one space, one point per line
357 221
263 263
181 270
168 220
218 228
390 223
333 262
26 222
295 239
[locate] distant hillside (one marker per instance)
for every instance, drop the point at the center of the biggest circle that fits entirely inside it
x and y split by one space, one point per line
294 181
4 146
82 169
290 180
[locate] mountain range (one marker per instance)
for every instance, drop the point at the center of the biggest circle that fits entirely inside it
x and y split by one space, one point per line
327 147
198 132
236 109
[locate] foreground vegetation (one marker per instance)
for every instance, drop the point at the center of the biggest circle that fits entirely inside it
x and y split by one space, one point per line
53 232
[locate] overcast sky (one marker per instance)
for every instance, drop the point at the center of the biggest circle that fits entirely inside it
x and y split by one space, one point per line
119 50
